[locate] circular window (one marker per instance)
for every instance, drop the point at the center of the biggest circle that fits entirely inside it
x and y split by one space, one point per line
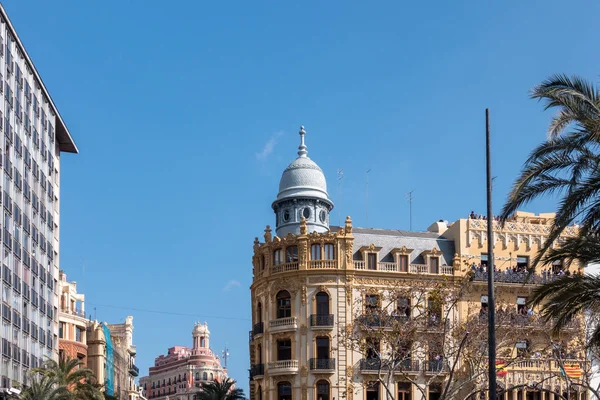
306 213
322 216
286 215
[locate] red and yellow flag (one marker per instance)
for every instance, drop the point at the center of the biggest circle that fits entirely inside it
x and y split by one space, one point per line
501 368
573 370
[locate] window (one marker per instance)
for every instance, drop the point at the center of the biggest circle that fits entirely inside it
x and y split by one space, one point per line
522 305
322 303
306 213
372 348
284 391
259 393
204 376
284 304
434 265
373 391
404 391
371 303
262 262
277 257
434 310
329 252
197 376
484 305
522 348
322 348
403 260
291 254
78 335
259 313
372 261
61 330
435 391
322 390
403 308
522 262
212 377
284 350
484 259
315 252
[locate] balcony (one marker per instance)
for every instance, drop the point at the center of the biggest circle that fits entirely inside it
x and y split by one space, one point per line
257 371
283 367
380 320
285 267
412 268
283 324
373 365
134 370
322 264
322 364
435 366
515 277
79 313
258 329
321 321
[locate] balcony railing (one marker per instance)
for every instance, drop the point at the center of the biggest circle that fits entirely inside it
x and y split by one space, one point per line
322 264
321 364
375 364
381 320
515 277
435 366
257 370
321 320
258 328
283 367
291 266
134 370
395 267
76 312
282 324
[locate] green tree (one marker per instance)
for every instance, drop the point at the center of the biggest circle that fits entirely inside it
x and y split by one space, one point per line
566 164
44 387
68 373
220 391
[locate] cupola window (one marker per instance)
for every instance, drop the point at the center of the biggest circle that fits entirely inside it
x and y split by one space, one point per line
291 254
329 252
286 215
277 257
315 252
306 213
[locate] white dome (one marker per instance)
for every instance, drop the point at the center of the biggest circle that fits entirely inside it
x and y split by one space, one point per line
302 178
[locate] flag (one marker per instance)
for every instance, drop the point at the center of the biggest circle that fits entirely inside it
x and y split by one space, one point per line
501 368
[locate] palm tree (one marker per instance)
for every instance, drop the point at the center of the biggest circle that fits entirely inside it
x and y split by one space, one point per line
220 391
68 373
44 387
568 164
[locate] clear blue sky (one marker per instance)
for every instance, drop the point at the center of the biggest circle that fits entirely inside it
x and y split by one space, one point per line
173 103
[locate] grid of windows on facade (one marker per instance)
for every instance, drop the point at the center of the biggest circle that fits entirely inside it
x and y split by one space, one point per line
29 201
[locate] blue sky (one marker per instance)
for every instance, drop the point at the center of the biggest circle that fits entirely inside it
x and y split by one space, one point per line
187 112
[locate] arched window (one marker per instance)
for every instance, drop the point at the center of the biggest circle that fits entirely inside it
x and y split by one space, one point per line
278 257
322 303
262 262
204 376
197 376
259 393
259 313
284 304
322 390
284 391
259 355
329 252
291 254
322 343
202 341
184 377
211 376
315 252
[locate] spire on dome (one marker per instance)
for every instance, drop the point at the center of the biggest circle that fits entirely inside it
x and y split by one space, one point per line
302 151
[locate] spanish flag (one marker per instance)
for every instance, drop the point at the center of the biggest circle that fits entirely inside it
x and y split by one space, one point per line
572 370
501 368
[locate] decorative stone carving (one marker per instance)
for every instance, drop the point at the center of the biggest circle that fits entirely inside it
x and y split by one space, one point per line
375 281
321 279
349 294
289 284
348 227
304 371
349 371
268 235
303 329
304 392
282 336
282 378
303 297
303 228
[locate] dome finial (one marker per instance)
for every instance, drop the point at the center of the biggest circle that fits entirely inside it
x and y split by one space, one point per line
302 151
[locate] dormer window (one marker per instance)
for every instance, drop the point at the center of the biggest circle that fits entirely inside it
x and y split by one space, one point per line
403 262
372 261
434 265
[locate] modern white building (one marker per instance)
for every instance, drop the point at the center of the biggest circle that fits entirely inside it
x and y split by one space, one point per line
33 135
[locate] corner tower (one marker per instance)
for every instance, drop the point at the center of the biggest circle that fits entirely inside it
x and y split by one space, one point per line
302 194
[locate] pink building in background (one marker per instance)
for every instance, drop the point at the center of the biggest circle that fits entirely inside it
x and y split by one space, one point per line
178 374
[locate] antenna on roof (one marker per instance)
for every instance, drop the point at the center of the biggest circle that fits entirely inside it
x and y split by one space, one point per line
367 204
410 200
340 173
225 355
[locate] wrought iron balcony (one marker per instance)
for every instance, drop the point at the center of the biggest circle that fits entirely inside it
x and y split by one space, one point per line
317 320
258 328
257 370
515 277
374 364
322 364
379 319
134 370
435 366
